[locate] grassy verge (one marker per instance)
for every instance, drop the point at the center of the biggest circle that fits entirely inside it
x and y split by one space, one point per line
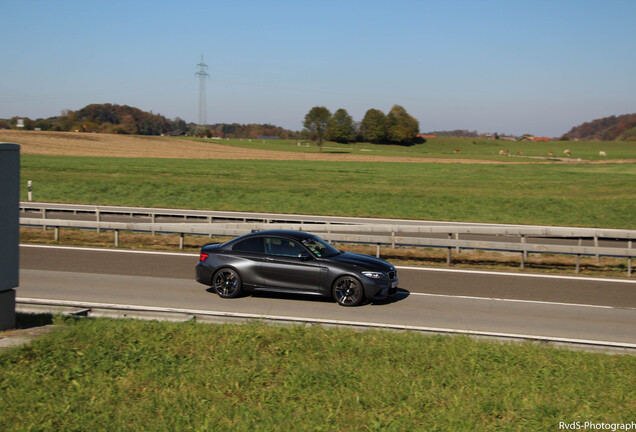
484 260
601 195
136 375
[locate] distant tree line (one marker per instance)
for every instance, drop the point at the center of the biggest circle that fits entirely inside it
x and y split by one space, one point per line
123 119
455 133
252 131
396 127
613 128
104 118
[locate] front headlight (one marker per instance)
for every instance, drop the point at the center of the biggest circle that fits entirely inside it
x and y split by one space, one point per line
373 275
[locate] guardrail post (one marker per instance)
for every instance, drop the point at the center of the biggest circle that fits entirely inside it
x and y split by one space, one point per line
153 219
44 217
377 251
116 238
523 260
448 253
98 218
525 252
598 257
578 258
181 236
57 234
629 260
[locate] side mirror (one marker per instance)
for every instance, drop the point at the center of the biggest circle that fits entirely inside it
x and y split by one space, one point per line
304 256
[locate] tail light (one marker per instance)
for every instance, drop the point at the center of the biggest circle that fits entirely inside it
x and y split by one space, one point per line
203 256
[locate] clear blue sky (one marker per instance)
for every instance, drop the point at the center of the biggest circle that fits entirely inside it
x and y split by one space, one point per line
509 66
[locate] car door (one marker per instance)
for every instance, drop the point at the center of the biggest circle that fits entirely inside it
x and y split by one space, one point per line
283 269
247 257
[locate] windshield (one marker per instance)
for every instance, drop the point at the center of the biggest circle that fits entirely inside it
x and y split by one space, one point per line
319 247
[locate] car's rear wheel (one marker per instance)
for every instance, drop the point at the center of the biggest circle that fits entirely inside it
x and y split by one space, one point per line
227 283
348 291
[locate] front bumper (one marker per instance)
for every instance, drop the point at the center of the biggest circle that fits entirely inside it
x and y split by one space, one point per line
380 289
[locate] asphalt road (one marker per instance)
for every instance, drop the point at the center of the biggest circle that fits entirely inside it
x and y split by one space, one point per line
579 308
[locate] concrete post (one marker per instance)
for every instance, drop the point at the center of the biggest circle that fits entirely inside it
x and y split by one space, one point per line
9 231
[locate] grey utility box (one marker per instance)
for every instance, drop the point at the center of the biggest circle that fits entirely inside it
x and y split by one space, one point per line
9 231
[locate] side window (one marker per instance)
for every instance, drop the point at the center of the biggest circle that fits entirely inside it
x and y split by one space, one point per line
254 245
282 247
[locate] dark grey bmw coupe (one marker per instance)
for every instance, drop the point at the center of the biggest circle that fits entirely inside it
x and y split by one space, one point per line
294 262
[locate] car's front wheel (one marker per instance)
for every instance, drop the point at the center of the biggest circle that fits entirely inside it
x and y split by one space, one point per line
348 291
227 283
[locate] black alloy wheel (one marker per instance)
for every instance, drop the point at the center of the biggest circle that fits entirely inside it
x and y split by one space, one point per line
227 283
348 291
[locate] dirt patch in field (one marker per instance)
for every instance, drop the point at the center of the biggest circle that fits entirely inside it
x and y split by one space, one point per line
112 145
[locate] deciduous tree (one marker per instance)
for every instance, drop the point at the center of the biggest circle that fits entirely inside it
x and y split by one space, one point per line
374 126
340 127
316 122
403 128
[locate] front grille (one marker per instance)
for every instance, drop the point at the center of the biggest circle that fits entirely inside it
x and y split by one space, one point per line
391 275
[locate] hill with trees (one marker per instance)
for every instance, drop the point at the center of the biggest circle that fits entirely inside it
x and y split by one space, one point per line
613 128
124 119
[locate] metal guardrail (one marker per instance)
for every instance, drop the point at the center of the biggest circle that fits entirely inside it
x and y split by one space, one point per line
185 214
368 225
382 234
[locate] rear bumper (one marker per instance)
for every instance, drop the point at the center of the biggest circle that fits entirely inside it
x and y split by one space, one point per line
204 273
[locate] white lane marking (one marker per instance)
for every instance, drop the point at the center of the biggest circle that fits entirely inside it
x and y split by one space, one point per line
50 302
110 250
430 269
521 301
531 275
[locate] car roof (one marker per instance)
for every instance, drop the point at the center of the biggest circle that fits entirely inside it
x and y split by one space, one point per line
282 233
296 235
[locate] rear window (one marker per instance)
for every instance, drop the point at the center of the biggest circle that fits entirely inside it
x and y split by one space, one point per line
254 245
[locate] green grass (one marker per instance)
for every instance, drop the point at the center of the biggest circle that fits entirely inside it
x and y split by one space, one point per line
593 195
469 148
136 375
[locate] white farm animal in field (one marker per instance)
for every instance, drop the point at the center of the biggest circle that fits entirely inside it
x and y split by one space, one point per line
602 153
567 152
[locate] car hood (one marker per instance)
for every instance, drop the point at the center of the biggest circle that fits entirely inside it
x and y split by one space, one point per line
365 262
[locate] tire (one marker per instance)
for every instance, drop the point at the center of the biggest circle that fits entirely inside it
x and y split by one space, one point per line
227 283
348 291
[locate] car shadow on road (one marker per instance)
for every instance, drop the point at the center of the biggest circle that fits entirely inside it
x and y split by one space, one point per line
399 296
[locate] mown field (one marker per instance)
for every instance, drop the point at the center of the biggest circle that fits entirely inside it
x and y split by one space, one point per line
136 375
591 195
456 148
